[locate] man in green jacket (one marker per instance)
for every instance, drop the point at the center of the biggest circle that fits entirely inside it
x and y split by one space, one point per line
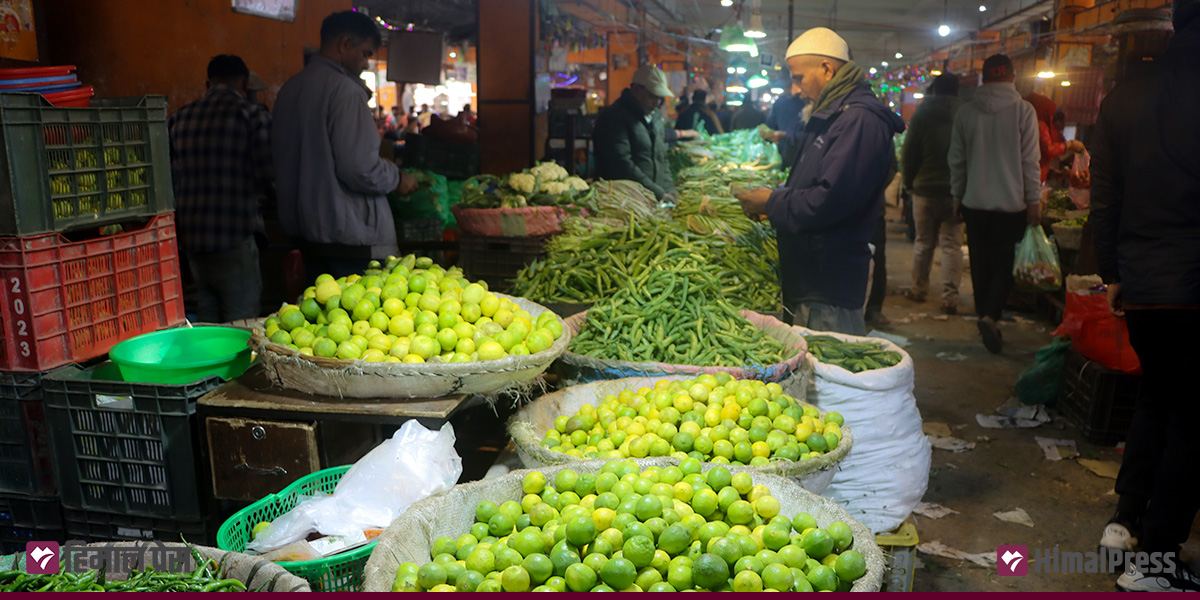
927 175
629 135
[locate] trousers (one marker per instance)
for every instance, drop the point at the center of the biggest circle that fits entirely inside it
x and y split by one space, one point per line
819 316
937 227
992 238
228 283
1157 481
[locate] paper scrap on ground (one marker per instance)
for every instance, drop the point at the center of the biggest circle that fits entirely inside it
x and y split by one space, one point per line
1013 407
984 559
950 356
898 340
938 429
1103 468
952 444
932 510
941 317
1057 449
1017 515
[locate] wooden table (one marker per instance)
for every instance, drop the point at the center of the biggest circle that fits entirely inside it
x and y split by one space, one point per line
261 436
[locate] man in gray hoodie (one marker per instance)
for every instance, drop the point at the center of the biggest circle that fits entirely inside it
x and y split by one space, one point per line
995 178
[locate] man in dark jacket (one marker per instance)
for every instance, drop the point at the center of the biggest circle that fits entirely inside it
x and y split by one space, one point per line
827 212
1145 217
629 135
927 174
783 120
698 113
747 116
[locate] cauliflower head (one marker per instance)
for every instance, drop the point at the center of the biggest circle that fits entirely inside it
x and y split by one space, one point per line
577 184
549 171
522 182
555 188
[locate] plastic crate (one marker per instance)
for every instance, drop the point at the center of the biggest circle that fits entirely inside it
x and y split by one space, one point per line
130 448
1097 399
497 260
338 573
94 526
584 124
900 548
69 168
26 454
66 301
25 519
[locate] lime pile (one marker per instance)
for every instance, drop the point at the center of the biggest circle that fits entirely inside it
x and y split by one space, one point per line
410 310
712 418
623 529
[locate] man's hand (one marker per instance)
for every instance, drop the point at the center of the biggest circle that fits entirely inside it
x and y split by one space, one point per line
1115 305
687 134
772 136
408 184
1033 214
754 202
958 212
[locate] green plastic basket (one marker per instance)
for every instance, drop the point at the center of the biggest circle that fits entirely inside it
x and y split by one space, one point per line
338 573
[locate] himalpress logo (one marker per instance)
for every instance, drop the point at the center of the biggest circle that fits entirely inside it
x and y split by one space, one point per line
41 558
1014 560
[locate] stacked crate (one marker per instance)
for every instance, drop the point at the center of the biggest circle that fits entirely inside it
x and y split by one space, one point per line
87 259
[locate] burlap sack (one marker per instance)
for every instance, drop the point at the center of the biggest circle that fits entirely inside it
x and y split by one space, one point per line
410 538
258 574
361 379
527 426
574 369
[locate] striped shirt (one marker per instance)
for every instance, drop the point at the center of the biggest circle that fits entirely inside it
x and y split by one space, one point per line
220 164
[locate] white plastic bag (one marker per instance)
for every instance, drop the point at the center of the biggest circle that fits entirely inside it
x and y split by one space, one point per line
413 464
887 471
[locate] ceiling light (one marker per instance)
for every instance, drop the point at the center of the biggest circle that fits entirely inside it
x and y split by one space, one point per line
892 104
734 40
935 73
884 63
753 49
741 70
982 8
757 80
730 70
756 26
776 90
944 30
726 2
899 55
736 85
453 55
1066 84
874 70
1046 75
767 97
918 96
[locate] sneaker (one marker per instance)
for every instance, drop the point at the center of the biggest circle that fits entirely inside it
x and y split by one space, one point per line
1117 535
1183 579
911 294
992 340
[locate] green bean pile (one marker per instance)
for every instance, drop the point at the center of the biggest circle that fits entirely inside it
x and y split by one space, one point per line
855 357
675 313
204 578
590 261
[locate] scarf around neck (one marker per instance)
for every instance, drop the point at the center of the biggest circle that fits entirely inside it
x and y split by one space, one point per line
844 81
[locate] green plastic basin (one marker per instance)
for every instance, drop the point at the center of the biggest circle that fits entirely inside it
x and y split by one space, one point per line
183 355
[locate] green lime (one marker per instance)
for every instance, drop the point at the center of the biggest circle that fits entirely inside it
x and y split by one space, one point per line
581 531
850 566
817 543
431 574
747 581
539 567
710 571
841 534
618 573
822 578
515 579
778 577
580 578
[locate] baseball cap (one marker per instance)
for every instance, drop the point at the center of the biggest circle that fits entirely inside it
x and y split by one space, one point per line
998 67
653 79
821 41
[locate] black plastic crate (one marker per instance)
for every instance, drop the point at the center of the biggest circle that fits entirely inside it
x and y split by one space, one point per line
126 447
96 526
1097 399
455 161
70 168
497 260
26 452
26 519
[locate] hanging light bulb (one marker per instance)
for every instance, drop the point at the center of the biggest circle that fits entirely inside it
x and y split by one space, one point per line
726 2
944 30
884 63
756 30
982 8
873 70
733 39
899 55
735 85
757 80
777 91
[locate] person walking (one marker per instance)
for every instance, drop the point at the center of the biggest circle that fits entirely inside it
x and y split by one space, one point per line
221 171
994 179
1145 206
926 173
827 212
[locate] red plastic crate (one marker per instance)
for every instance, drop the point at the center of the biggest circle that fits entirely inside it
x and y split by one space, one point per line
64 302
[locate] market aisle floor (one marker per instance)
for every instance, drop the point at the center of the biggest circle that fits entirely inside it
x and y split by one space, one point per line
1067 503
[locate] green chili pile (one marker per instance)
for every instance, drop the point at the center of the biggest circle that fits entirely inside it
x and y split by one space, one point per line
204 578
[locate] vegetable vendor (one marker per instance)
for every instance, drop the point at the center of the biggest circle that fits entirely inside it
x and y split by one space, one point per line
826 213
629 138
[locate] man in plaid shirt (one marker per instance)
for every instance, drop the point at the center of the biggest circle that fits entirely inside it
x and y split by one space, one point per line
221 167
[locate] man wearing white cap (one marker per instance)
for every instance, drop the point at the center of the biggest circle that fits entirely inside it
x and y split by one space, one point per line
630 143
827 212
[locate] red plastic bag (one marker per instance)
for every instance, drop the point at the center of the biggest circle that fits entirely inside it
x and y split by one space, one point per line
1098 335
